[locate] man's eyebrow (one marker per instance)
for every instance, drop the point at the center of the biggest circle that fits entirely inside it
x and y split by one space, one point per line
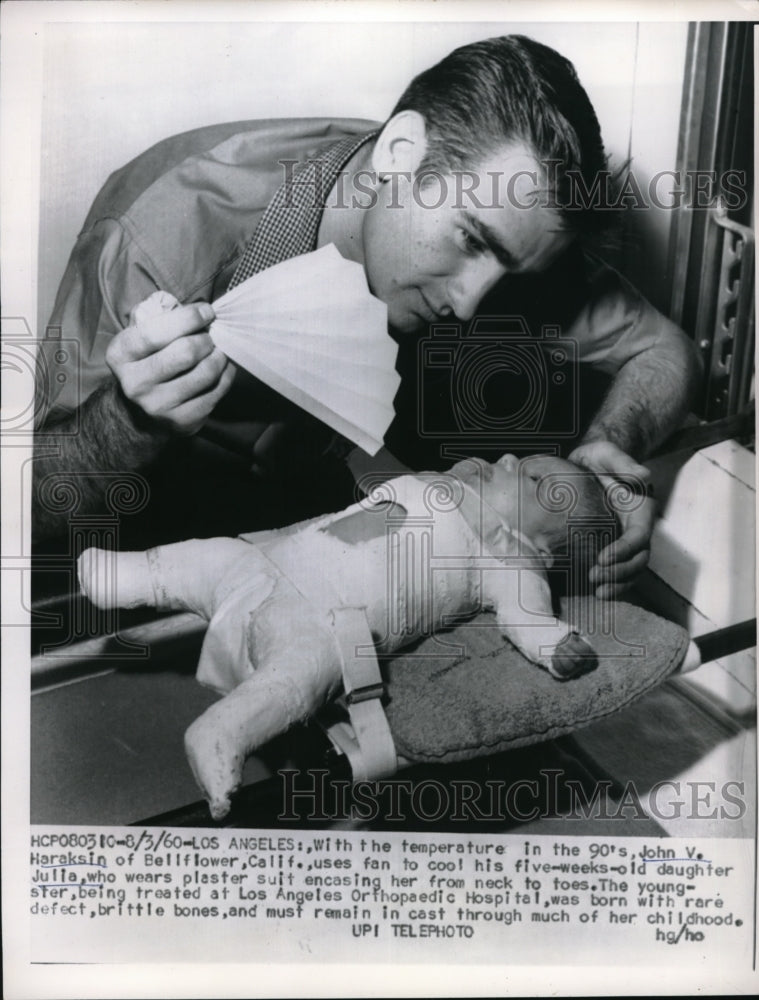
491 239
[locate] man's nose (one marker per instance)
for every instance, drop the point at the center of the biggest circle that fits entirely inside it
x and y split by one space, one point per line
469 287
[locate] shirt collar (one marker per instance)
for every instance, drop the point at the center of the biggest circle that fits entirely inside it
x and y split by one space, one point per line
290 223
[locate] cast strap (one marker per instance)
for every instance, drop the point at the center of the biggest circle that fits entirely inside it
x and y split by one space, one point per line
365 737
369 746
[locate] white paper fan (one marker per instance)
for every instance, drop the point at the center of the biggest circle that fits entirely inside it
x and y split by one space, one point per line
311 329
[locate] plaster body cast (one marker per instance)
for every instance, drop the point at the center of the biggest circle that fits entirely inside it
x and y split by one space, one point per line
429 550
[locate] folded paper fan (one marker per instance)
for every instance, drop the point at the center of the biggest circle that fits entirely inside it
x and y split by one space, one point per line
311 329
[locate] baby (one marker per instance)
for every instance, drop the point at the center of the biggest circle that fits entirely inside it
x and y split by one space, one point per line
417 554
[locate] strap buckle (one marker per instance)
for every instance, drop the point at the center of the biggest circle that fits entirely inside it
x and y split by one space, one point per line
357 695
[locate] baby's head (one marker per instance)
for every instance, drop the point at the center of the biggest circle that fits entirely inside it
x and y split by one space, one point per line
557 505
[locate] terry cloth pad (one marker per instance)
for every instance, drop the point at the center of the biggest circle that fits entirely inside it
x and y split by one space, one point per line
487 697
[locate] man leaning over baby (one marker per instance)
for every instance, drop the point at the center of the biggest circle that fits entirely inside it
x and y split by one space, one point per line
180 220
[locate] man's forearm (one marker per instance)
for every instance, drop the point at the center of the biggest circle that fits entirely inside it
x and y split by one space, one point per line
649 397
108 439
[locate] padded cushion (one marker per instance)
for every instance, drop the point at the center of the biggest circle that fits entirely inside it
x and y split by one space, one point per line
447 704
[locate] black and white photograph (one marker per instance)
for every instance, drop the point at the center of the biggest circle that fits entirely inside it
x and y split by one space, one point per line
378 445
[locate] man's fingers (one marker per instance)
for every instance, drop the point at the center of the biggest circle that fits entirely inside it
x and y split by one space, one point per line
191 414
625 492
631 543
205 384
194 355
157 332
148 375
605 459
181 355
620 572
623 471
163 363
612 591
164 329
155 304
199 380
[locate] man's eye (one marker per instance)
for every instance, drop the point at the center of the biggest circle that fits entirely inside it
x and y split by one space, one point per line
469 243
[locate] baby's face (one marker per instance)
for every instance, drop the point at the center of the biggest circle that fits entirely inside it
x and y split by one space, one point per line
522 491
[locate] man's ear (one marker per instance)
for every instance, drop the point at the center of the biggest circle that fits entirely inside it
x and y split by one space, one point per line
401 145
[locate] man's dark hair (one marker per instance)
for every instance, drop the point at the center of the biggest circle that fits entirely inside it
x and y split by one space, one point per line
512 88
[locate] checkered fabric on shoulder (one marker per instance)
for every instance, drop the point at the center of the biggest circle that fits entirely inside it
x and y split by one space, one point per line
290 224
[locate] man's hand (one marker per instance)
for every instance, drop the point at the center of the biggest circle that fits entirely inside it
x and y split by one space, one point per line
627 482
168 366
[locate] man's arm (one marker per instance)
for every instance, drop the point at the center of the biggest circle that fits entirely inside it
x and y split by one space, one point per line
97 375
167 377
107 440
650 395
648 400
